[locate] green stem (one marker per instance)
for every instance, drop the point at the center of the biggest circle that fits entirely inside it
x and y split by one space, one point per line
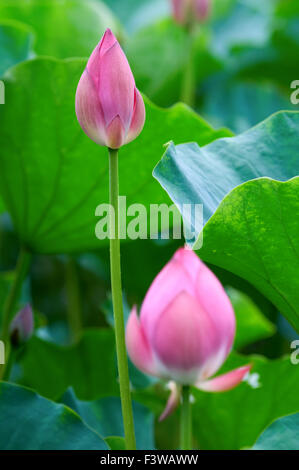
189 84
118 305
10 304
186 419
74 300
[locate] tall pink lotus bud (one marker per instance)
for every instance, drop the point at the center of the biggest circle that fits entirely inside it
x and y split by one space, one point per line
187 11
22 326
109 107
186 327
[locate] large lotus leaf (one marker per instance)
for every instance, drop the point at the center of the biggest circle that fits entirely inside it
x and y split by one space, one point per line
258 229
88 366
31 422
105 417
192 174
254 232
53 176
252 325
283 434
15 46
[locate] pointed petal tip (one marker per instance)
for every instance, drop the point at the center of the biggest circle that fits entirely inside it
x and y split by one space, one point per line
225 382
107 41
109 34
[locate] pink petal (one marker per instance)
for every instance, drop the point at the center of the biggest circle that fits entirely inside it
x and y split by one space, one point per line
108 40
116 85
186 272
215 302
89 111
137 119
137 345
173 400
115 133
183 339
226 381
172 280
209 291
189 261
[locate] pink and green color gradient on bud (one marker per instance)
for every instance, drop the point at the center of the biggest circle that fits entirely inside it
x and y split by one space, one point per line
186 11
186 327
109 107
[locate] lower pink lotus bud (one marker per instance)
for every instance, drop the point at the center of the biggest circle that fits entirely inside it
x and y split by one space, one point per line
186 327
22 326
186 11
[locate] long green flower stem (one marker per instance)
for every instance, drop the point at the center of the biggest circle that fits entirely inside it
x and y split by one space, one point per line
186 419
118 305
9 307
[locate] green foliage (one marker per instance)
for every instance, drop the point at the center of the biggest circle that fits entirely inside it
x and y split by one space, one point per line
62 29
234 419
104 417
88 366
52 191
259 242
116 443
135 14
15 43
250 233
280 435
252 325
190 173
30 422
158 55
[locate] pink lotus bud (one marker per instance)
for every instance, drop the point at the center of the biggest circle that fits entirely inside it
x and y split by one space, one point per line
186 11
109 107
22 326
186 327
